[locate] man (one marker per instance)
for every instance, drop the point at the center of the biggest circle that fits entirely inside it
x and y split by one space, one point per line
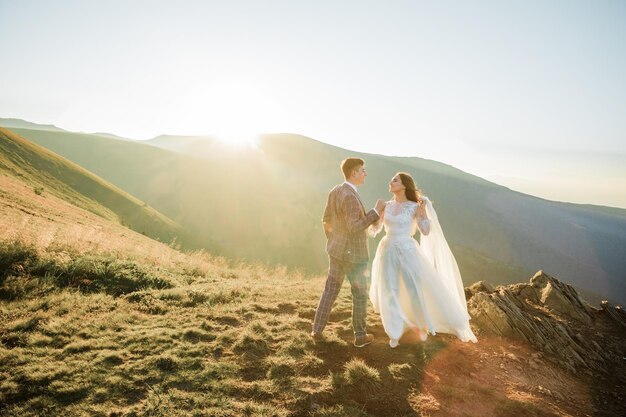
345 225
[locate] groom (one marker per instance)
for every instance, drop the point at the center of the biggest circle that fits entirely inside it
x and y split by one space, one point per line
345 225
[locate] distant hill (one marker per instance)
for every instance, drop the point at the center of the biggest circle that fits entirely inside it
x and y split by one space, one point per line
23 124
50 174
266 203
110 136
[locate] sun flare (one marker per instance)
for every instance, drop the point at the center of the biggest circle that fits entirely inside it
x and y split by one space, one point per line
238 139
236 113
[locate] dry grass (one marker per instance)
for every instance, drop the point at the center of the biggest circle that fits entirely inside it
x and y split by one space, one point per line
218 340
88 351
97 320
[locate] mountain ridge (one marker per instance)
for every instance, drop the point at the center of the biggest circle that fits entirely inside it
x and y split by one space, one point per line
578 241
20 123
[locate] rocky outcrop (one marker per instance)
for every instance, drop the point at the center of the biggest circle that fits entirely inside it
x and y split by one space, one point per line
617 314
551 316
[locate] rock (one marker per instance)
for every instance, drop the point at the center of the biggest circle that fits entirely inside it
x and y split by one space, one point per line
559 297
533 364
481 286
527 292
550 316
489 317
616 314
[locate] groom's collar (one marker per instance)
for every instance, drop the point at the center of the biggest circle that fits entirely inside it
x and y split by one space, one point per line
351 185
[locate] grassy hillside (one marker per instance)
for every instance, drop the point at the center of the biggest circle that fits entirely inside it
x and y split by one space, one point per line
249 202
50 174
265 203
98 320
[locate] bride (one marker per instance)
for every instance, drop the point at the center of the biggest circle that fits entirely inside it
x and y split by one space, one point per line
416 286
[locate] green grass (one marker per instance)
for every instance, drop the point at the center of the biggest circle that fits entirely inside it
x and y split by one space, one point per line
24 270
193 335
398 370
358 376
193 338
142 339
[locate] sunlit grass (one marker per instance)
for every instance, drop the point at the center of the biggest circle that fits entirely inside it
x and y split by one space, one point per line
156 331
146 349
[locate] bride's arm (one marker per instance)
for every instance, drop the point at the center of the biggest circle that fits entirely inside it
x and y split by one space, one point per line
423 222
376 227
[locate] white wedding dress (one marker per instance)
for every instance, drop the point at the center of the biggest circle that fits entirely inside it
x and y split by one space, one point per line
417 285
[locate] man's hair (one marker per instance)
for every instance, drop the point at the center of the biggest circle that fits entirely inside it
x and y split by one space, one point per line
350 164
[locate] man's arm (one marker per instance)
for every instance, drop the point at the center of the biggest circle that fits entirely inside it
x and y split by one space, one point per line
326 219
354 218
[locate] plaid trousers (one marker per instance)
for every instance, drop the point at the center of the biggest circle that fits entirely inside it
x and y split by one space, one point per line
337 271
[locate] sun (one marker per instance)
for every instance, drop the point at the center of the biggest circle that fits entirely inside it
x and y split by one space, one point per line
238 139
237 113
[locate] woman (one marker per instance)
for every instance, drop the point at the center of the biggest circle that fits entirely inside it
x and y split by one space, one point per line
416 286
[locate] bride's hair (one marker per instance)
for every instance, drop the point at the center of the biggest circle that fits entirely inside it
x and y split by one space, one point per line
412 192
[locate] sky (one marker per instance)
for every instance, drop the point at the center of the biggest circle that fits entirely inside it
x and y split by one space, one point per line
528 94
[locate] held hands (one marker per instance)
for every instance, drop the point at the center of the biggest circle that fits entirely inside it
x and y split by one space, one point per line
380 206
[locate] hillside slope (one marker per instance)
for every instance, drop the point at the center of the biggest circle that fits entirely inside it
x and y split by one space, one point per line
48 173
254 203
265 203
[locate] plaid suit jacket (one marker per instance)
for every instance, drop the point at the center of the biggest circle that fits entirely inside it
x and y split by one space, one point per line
348 221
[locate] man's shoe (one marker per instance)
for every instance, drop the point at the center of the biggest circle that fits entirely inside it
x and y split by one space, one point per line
316 336
363 341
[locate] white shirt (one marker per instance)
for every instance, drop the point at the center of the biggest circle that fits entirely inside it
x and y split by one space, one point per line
351 185
357 191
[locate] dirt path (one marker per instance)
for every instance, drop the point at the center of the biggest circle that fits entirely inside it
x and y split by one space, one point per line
445 377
